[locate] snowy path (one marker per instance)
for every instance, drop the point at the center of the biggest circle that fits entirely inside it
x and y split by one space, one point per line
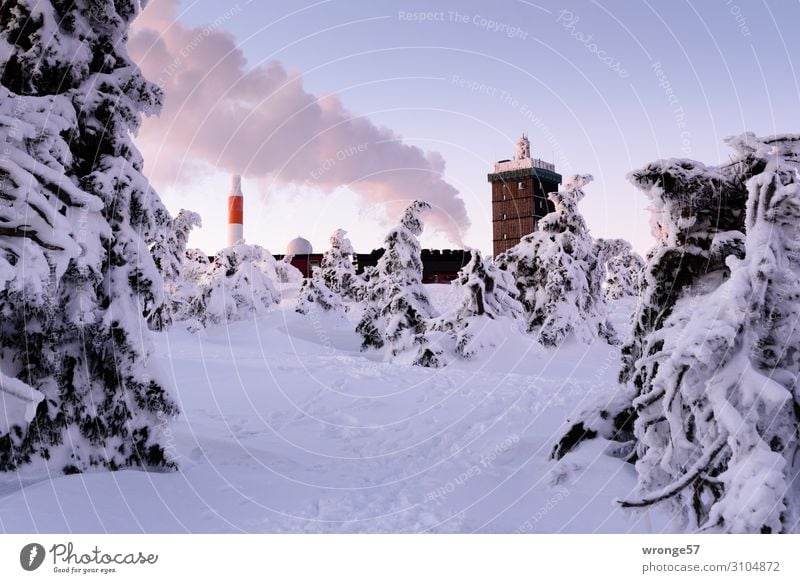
288 427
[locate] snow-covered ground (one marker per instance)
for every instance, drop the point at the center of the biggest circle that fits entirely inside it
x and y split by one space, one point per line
288 427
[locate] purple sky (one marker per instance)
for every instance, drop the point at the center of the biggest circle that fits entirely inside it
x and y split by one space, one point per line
339 113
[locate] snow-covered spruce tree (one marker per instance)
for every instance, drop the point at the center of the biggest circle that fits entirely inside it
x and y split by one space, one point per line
316 295
556 274
717 425
236 285
195 266
337 270
76 223
398 312
487 293
619 266
169 254
697 219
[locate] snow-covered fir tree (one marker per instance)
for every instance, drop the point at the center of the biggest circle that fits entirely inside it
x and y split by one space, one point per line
334 282
487 290
238 284
196 264
487 293
697 220
709 411
619 266
717 425
78 219
337 269
556 274
316 295
398 311
169 254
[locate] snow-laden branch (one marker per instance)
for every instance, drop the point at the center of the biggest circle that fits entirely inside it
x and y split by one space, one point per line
675 487
18 402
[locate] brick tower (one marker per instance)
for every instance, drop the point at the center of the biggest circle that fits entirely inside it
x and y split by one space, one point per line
519 196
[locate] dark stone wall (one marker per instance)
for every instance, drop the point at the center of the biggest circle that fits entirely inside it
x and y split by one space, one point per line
438 265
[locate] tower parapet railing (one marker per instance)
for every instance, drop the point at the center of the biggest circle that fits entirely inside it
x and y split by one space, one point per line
508 165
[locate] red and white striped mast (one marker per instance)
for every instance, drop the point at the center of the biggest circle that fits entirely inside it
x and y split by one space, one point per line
235 211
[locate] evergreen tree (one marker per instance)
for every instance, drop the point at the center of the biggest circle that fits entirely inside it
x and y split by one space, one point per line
488 293
717 425
78 218
338 272
556 274
195 266
709 408
169 254
697 221
619 266
397 311
315 293
237 285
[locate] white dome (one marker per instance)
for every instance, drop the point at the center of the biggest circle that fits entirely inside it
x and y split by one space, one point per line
299 246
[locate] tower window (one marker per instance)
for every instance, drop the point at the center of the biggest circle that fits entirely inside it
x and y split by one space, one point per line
504 216
520 185
505 236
